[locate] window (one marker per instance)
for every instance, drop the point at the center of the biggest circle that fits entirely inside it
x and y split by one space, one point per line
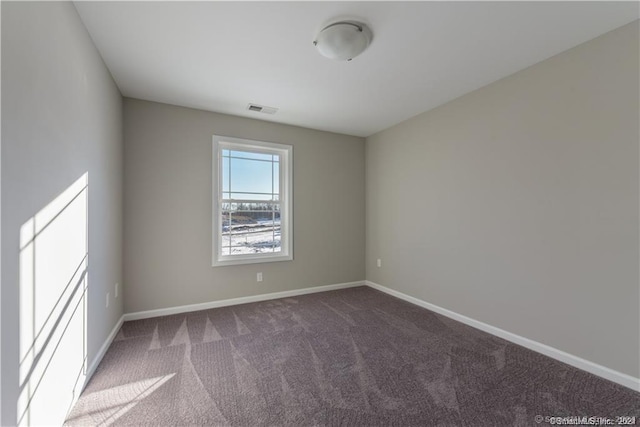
252 215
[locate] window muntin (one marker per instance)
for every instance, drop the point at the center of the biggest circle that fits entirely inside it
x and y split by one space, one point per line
252 204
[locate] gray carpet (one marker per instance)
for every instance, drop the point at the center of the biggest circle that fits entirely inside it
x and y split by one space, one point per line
353 357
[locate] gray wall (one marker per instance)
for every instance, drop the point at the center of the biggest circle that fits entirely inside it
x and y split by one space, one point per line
517 204
167 220
61 117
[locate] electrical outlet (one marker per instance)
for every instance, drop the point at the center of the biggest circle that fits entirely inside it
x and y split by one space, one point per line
259 277
115 292
379 262
108 299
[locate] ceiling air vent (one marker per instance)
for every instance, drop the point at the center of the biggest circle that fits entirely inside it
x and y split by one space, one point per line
261 109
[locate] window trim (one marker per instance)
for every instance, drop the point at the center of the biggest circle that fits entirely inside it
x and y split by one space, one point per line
285 198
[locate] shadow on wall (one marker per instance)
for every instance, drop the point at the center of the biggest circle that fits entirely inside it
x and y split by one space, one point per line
53 307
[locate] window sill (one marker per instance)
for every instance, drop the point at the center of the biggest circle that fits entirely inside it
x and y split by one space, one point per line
249 259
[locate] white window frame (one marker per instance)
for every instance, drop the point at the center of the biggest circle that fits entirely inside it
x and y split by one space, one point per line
285 197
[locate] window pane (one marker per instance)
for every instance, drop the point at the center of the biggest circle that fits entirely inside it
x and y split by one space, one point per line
249 196
251 155
276 177
257 208
225 173
250 176
254 243
246 232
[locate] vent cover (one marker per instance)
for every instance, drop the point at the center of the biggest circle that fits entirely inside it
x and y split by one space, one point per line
261 109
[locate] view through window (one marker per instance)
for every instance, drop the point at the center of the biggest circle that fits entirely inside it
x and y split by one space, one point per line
250 203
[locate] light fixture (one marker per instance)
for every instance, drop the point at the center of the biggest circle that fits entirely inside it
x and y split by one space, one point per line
343 40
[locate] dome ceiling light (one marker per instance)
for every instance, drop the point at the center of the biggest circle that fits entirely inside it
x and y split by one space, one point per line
343 40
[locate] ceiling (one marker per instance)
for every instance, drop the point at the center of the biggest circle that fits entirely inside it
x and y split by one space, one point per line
221 56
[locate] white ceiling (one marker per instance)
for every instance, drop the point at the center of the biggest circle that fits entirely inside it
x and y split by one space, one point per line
220 56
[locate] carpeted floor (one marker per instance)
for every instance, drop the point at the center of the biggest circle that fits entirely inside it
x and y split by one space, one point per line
353 357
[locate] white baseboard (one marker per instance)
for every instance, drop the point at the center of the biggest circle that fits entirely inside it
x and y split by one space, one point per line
575 361
105 346
235 301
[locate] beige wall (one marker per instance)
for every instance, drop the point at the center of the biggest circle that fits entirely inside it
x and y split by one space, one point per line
61 118
517 204
168 189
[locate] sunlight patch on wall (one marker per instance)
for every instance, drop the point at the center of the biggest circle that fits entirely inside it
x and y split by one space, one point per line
53 286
